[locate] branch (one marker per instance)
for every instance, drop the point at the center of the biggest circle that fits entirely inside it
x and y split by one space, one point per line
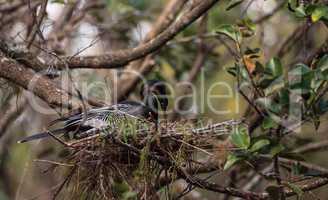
318 52
310 186
198 182
22 56
198 168
312 147
7 8
202 53
10 115
38 21
68 22
42 87
269 15
143 66
123 57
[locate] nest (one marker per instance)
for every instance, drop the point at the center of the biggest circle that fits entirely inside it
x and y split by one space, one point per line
133 162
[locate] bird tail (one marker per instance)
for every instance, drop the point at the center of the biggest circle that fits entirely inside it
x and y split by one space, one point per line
41 135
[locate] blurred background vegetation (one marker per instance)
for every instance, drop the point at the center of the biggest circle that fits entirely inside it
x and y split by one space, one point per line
121 24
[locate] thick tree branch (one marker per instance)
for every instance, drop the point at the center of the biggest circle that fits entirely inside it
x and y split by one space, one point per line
24 57
37 84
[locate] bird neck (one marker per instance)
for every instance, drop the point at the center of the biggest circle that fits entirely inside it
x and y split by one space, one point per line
152 103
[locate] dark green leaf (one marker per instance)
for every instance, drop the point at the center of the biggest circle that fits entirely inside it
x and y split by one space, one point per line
300 78
296 169
265 81
269 105
274 86
231 160
276 149
322 66
259 145
58 1
322 106
284 97
274 67
232 31
233 3
268 123
138 4
240 137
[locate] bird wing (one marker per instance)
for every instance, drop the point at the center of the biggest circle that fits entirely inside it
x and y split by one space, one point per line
112 118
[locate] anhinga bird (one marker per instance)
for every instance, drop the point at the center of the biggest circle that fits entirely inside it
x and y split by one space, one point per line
94 120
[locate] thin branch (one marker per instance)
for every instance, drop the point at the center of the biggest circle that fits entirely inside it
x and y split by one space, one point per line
312 147
123 57
36 27
269 15
144 66
10 115
218 188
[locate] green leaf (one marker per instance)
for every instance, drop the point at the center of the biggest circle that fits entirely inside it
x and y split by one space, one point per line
265 81
108 2
232 31
269 105
274 67
231 160
296 169
233 3
300 11
319 12
300 78
58 1
322 106
322 66
268 123
138 4
292 4
284 97
276 149
240 137
259 145
249 23
275 86
295 188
